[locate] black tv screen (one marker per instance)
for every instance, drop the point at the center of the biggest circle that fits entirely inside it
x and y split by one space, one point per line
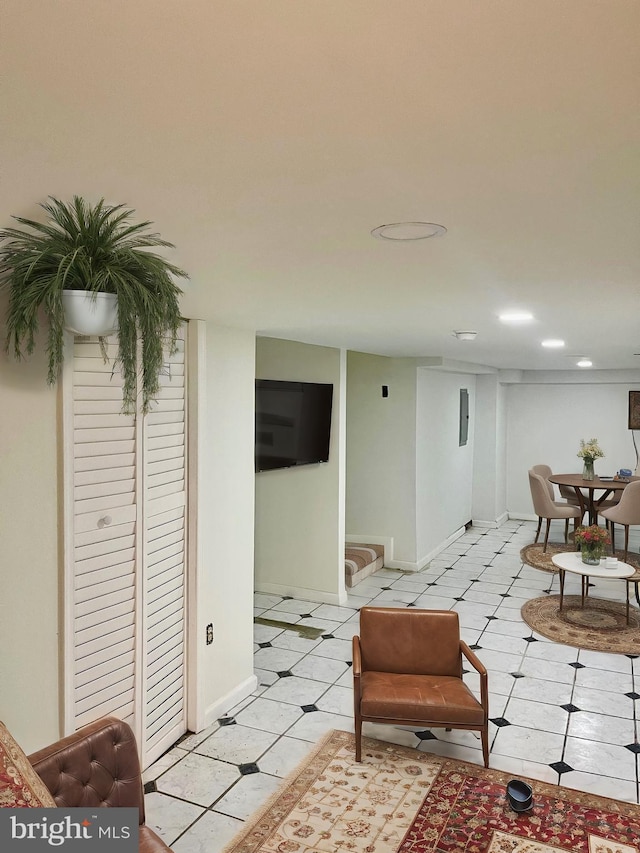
293 423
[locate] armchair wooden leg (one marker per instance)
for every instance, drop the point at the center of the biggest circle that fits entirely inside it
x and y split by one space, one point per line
538 530
626 542
566 531
484 734
613 538
546 536
358 731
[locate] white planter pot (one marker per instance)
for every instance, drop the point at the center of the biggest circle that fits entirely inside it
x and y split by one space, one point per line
89 313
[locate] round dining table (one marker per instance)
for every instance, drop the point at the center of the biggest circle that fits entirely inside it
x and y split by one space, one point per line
589 503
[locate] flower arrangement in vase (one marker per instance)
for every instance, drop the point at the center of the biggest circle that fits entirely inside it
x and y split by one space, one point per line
592 541
589 451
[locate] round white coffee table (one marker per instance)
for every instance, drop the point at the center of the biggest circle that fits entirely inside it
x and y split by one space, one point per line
571 561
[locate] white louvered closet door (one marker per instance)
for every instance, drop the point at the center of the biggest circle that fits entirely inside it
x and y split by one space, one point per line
128 553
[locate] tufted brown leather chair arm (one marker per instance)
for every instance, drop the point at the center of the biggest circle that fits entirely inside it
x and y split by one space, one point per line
96 766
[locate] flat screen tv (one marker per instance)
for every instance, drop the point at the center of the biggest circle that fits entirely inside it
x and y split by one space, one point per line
293 423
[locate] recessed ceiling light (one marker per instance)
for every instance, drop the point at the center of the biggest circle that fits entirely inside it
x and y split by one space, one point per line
553 343
516 317
409 231
584 362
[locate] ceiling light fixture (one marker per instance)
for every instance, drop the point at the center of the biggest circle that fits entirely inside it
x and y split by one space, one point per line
466 336
553 343
516 317
408 231
584 362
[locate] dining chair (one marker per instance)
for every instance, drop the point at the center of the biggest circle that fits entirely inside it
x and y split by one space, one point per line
546 508
407 671
545 472
566 492
626 512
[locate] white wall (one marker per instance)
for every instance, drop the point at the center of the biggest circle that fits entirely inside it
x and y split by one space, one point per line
224 670
444 469
546 422
489 464
381 452
299 512
29 556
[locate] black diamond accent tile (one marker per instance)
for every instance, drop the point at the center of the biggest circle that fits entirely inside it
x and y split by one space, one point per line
530 639
287 598
561 767
491 618
633 695
475 647
504 595
227 721
385 588
570 707
306 616
425 735
308 709
475 580
411 605
265 645
500 722
284 674
328 637
633 747
577 665
465 671
349 662
517 674
632 657
150 788
458 599
247 769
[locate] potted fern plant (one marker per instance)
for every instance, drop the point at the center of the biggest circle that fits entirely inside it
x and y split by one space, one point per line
96 250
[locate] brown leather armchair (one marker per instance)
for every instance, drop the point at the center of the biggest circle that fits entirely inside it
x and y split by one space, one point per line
407 670
97 766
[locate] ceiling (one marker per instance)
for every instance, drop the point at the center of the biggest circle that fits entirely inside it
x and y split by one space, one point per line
267 140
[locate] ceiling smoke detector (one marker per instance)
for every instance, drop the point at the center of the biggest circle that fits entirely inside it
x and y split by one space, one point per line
466 336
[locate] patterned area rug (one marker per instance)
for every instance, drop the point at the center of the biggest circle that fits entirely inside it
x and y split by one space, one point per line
399 800
601 625
532 555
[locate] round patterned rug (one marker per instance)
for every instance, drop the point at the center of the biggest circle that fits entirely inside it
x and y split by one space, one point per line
601 625
532 555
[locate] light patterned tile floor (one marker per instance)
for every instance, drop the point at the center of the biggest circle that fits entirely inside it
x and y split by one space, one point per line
563 715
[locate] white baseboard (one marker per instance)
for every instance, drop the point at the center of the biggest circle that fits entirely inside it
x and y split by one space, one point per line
306 594
220 707
500 520
523 516
423 561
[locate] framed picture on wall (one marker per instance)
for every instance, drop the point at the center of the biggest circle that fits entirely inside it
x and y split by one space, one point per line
634 409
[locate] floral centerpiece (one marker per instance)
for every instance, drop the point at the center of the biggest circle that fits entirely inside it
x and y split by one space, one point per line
589 451
592 541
